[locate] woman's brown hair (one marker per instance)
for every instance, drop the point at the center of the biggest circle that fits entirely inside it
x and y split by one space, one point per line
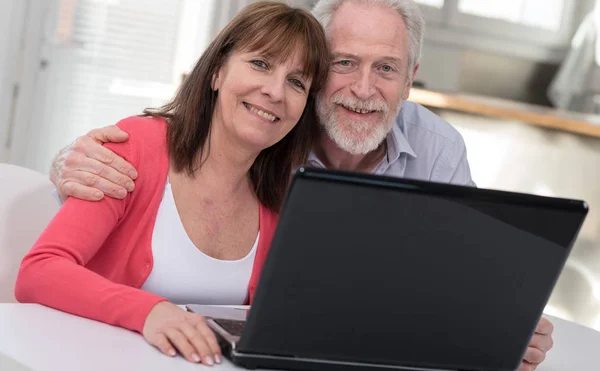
276 30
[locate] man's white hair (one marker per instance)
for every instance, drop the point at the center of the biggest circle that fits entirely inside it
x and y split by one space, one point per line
408 10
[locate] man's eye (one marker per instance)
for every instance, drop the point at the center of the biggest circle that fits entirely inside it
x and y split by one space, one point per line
344 63
386 68
259 63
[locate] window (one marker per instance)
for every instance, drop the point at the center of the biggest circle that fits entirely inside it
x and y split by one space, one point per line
544 14
113 58
541 22
536 29
433 3
432 10
104 60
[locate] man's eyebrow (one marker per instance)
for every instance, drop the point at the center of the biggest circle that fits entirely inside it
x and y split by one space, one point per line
344 55
391 59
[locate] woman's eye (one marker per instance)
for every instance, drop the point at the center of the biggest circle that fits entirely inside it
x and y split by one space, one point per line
297 83
259 63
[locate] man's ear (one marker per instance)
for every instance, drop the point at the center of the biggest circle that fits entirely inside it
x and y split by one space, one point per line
410 82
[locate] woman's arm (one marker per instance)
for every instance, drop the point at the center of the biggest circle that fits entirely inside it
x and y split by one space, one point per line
53 273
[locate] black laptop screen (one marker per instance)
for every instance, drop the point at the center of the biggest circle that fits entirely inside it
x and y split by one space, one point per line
408 277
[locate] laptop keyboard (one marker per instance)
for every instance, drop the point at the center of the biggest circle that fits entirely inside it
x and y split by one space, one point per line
234 327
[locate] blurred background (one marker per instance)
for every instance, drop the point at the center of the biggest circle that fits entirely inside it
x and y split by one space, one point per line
520 79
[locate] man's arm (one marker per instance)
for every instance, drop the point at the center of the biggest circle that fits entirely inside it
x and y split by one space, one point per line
87 170
452 165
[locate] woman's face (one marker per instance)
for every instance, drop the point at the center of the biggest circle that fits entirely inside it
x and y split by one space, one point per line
259 101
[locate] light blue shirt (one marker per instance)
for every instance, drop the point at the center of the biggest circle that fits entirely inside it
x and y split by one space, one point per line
422 146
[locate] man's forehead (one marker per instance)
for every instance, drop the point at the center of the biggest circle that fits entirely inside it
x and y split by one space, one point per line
357 29
356 14
364 48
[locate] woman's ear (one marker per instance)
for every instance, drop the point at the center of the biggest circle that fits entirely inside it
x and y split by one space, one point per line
215 83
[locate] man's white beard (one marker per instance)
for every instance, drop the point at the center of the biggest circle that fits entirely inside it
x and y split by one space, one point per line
354 136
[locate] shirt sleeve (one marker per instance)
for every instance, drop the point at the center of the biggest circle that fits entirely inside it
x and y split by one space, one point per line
57 197
453 166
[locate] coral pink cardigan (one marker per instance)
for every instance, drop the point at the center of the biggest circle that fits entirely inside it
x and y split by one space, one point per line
93 257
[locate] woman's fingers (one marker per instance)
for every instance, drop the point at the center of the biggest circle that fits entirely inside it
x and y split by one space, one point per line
183 345
211 340
199 343
164 345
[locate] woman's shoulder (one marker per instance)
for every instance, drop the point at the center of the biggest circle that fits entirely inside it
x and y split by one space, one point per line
146 146
144 130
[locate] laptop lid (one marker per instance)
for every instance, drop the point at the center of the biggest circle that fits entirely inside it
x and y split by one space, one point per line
390 271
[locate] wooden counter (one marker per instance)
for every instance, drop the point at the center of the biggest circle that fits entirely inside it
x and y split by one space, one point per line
527 113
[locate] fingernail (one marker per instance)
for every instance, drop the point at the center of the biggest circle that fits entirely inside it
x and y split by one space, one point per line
172 352
121 193
129 186
133 174
209 360
195 357
217 358
98 195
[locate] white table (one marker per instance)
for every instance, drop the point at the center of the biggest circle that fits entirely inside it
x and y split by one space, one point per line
37 338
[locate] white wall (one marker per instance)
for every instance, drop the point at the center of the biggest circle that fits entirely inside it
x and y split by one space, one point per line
440 66
29 57
12 13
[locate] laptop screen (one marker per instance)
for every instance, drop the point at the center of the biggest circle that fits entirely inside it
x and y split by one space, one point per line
421 276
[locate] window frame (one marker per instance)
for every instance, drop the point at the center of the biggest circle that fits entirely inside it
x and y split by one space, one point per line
432 15
505 29
449 26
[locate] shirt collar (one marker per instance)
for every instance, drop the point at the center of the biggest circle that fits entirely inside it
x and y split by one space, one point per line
314 160
397 143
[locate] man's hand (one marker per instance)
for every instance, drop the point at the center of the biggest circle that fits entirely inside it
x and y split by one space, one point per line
541 342
88 170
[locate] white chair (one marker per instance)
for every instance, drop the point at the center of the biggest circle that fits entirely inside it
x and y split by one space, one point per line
26 207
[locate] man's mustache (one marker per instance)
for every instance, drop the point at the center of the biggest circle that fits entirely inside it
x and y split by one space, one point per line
360 104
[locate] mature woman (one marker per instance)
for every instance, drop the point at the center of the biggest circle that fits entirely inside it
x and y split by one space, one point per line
214 165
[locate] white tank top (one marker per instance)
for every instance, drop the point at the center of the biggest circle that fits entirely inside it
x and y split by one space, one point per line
185 275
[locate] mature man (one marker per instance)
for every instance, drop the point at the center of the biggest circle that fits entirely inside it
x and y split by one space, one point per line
367 123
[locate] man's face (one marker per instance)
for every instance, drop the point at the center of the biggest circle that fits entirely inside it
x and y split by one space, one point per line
370 76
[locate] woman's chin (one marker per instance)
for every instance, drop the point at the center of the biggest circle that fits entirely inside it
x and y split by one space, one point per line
259 141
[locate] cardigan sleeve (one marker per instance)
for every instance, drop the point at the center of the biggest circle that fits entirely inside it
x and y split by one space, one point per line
53 273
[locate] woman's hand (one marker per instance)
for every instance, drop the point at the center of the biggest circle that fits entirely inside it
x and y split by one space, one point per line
168 327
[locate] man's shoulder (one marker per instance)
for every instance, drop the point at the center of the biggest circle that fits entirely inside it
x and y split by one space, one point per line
417 120
439 147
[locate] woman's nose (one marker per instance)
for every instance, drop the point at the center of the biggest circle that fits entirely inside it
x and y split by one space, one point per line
274 87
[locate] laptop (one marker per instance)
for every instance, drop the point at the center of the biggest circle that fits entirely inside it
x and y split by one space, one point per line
378 273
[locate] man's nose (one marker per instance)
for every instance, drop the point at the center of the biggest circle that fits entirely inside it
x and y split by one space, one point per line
363 87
